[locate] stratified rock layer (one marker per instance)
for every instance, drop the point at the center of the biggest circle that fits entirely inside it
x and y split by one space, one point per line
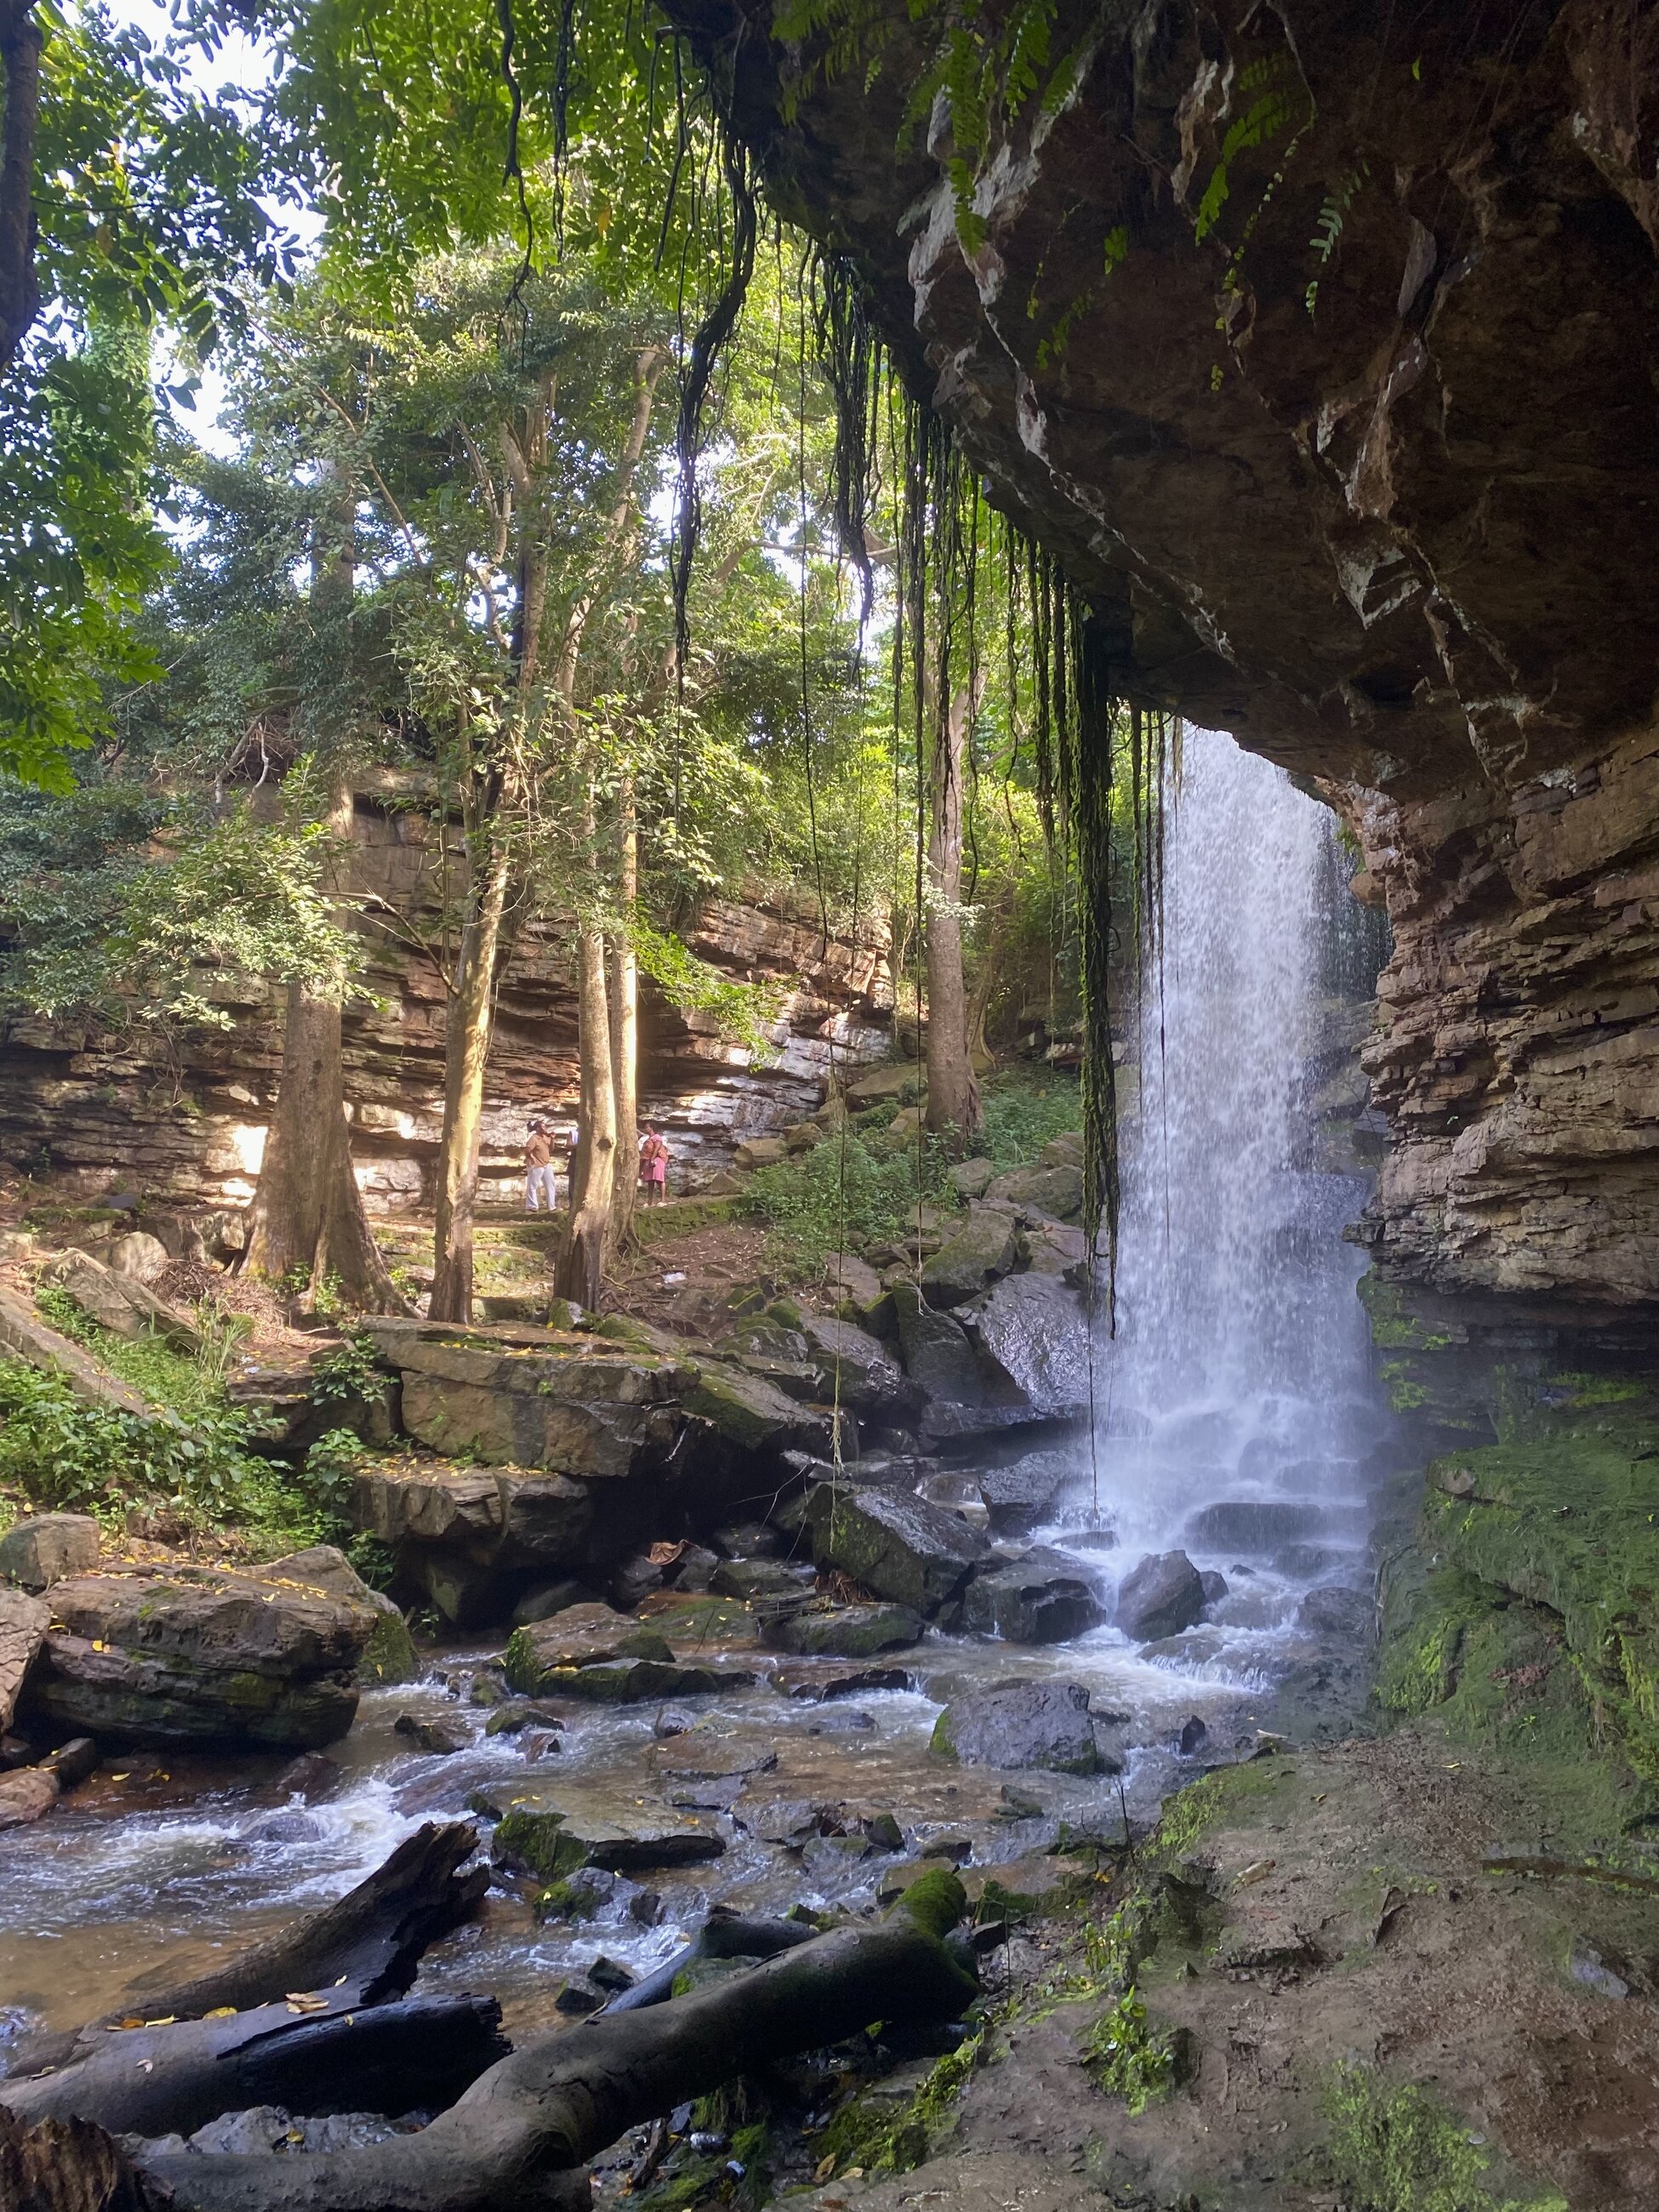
1319 344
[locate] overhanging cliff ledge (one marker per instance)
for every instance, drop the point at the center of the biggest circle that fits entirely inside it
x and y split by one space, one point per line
1319 343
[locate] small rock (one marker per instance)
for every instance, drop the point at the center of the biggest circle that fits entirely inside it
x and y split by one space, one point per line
843 1720
548 1599
645 1906
881 1831
695 1570
1587 1966
312 1777
538 1743
611 1975
287 1828
635 1578
1195 1734
957 1849
486 1690
1159 1596
577 1999
43 1548
138 1255
1214 1586
672 1721
441 1738
1038 1598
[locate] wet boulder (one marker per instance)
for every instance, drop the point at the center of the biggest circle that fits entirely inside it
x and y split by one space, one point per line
552 1833
1160 1596
1215 1586
847 1632
893 1543
1033 1332
43 1548
1335 1611
1021 1724
979 1252
820 1681
1040 1597
1019 1495
200 1656
937 1355
856 1368
602 1658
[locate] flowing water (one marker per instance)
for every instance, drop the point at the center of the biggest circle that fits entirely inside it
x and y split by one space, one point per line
1235 1409
1234 1421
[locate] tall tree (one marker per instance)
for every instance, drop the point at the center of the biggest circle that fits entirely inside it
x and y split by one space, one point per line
953 1109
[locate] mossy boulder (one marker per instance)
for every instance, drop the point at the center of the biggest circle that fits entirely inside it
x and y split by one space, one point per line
848 1631
894 1543
199 1655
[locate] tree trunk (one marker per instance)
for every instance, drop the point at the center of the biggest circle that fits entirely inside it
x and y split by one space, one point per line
307 1216
174 2078
466 1051
625 1033
20 41
519 2139
953 1090
580 1270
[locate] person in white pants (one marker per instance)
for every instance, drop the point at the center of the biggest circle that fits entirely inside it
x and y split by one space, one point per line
541 1186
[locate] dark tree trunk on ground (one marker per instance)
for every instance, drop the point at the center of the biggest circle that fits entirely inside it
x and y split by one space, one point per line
952 1090
521 2137
354 2058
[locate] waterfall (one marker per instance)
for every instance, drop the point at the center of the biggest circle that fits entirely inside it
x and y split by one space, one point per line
1233 1407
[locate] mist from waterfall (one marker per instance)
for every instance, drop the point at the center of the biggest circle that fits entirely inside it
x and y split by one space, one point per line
1234 1406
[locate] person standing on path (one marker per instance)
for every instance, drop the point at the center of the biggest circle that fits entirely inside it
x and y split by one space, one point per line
653 1164
541 1185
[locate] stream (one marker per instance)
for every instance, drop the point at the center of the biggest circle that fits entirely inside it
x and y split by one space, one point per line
1235 1420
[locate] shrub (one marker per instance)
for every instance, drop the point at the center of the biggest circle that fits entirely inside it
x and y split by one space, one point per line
843 1194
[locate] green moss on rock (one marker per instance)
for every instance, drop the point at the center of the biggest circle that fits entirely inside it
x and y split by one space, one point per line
536 1842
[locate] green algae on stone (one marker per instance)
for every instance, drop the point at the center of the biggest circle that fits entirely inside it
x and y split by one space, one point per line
533 1840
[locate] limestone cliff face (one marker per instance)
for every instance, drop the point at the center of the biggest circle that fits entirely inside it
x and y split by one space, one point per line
105 1119
1318 341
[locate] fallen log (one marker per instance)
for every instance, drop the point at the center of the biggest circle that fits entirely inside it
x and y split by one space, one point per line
65 2166
521 2138
724 1935
370 1942
176 2077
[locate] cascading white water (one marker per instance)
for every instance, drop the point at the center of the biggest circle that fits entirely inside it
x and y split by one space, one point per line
1233 1405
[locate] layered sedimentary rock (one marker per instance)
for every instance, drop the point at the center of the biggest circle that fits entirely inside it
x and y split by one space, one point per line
93 1106
1319 343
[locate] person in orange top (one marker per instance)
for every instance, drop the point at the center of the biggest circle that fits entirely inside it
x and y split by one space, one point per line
541 1183
653 1164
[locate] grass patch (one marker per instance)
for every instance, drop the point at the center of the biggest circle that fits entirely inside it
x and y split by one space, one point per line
1023 1112
843 1195
1399 2150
